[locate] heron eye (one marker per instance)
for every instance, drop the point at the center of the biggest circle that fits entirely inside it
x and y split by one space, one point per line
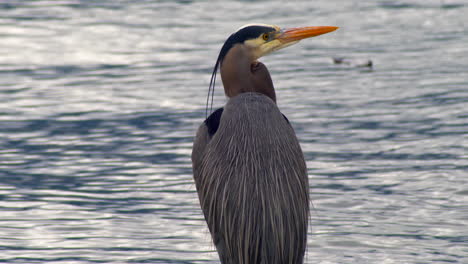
265 36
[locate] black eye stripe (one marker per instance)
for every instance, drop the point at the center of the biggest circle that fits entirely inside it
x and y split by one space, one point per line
250 32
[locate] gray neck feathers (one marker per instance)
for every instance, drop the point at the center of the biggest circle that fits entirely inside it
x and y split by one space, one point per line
240 74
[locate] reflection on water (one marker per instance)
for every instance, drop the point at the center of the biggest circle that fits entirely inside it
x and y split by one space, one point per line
99 102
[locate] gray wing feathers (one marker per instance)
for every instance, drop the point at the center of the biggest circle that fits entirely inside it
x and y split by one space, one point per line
199 144
252 183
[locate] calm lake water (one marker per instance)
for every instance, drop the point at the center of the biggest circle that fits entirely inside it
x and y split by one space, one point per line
100 100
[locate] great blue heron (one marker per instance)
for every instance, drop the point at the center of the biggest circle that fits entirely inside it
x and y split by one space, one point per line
249 169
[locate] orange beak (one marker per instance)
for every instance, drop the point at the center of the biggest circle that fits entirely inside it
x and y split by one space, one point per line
296 34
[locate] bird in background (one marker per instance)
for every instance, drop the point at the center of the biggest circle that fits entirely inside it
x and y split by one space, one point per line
249 169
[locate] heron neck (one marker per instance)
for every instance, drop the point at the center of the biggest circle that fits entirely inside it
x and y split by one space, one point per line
240 73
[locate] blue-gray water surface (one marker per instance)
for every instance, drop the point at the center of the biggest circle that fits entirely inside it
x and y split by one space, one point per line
100 100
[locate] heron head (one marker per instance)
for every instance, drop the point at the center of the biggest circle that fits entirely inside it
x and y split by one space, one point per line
262 39
253 41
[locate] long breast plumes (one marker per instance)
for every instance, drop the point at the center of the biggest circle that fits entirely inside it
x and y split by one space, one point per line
255 182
